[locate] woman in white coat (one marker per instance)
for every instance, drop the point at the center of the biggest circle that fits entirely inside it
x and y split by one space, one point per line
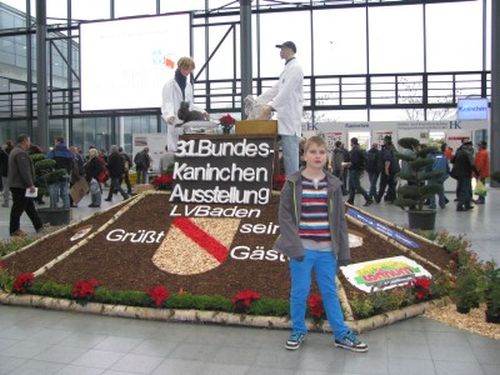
178 89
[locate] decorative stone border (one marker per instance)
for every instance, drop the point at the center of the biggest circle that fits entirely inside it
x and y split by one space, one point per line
215 317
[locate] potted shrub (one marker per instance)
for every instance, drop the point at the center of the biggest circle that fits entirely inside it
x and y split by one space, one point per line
414 194
466 292
46 174
492 295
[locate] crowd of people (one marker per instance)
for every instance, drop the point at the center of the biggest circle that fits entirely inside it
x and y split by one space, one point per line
97 168
382 165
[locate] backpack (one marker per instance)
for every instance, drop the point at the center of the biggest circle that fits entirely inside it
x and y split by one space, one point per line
441 164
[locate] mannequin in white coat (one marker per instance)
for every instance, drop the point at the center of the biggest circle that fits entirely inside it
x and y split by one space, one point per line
286 97
175 91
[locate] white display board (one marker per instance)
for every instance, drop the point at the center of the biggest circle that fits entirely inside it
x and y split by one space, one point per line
125 63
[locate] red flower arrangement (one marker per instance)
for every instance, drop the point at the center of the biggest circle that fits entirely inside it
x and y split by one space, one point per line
2 266
158 294
316 309
278 181
421 287
84 290
162 182
227 121
243 300
23 281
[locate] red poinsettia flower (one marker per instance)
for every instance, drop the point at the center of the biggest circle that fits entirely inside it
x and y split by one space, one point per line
158 294
3 266
162 182
422 287
315 304
23 281
278 181
227 120
84 290
242 301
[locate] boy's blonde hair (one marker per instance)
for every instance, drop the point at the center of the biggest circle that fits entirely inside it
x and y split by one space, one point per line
317 140
185 62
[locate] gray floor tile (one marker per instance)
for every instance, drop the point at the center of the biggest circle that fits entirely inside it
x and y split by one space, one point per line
360 364
457 368
235 356
481 341
19 333
407 366
5 343
458 338
7 364
25 349
406 337
179 366
278 357
487 355
60 354
408 350
270 371
155 347
452 353
118 344
325 360
224 369
98 359
79 370
195 352
49 336
83 340
33 367
491 369
137 363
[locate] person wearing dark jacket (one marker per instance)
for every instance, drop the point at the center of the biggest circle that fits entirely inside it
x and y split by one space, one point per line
127 165
356 168
116 167
64 160
390 168
4 171
93 168
372 167
462 171
21 180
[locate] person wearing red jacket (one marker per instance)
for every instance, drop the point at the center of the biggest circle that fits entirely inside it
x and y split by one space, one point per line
482 163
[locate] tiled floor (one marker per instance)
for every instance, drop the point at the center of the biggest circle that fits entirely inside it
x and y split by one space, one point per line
34 341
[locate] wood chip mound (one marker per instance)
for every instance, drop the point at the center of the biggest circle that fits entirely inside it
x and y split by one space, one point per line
474 321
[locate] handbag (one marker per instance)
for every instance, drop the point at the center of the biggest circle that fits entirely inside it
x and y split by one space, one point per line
103 176
94 186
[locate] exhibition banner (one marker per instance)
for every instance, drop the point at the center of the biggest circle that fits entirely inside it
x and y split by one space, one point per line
379 227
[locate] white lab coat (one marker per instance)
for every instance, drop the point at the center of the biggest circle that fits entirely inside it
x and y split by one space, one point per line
287 98
171 101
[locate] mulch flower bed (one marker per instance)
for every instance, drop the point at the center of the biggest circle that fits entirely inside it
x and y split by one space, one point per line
154 235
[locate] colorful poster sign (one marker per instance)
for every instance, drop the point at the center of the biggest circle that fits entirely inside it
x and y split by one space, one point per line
379 227
383 274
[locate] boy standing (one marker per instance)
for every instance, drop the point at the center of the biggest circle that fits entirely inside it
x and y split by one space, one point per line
313 234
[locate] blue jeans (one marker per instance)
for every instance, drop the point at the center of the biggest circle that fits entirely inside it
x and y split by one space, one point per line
373 177
58 190
324 264
441 197
290 147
